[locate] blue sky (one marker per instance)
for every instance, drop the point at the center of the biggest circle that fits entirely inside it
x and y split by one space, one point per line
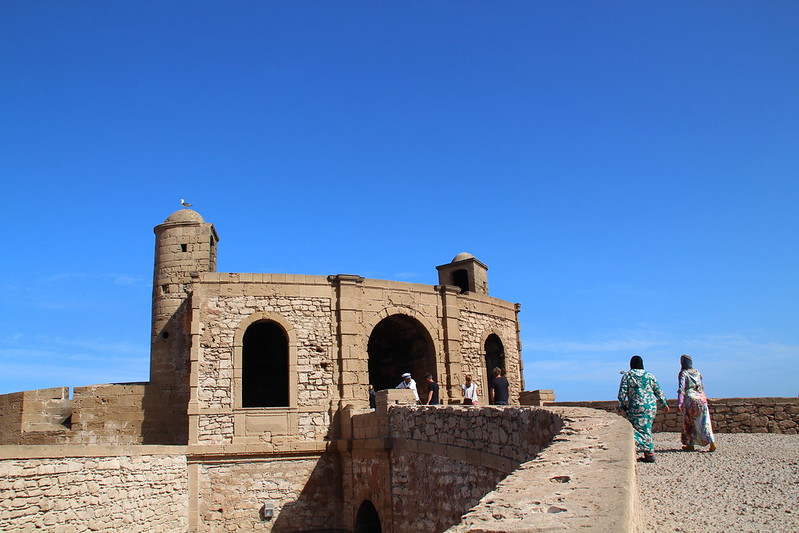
627 170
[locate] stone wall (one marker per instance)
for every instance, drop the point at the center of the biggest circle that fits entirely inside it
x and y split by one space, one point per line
11 418
97 414
108 414
421 467
475 327
234 492
310 321
35 417
729 415
459 453
503 437
92 488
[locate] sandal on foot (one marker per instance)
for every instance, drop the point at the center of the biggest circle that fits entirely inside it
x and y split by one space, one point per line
648 458
688 448
712 447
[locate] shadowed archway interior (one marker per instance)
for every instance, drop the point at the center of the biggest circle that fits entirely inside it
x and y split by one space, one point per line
398 344
367 521
494 356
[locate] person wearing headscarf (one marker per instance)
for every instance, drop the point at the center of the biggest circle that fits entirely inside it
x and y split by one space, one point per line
697 429
639 393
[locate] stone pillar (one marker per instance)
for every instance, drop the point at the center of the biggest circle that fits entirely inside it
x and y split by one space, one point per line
352 359
449 314
517 308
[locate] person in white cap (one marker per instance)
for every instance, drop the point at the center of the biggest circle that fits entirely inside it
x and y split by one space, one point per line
409 383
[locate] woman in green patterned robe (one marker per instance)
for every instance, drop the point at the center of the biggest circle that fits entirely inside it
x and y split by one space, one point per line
639 393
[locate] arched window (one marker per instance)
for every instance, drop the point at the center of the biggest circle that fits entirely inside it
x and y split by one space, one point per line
265 366
367 521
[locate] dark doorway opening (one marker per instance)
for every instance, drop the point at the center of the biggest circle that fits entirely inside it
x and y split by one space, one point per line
495 358
367 520
398 344
265 366
461 279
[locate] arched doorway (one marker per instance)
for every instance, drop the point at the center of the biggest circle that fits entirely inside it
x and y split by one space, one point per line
398 344
495 358
367 520
265 366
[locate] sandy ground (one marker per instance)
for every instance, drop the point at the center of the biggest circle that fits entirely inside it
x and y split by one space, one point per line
750 483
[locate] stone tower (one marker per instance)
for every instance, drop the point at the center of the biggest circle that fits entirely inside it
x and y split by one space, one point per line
184 245
466 273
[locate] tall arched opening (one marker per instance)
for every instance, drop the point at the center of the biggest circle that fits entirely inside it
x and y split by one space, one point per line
367 520
494 357
399 344
265 366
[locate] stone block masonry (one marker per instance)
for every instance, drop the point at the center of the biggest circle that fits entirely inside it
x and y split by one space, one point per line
729 415
58 488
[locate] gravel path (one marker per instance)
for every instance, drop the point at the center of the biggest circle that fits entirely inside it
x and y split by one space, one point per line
750 483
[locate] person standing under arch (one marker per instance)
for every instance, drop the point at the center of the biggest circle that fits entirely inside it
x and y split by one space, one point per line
409 383
432 390
469 391
499 388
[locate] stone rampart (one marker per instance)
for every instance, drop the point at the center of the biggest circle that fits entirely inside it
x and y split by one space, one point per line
729 415
93 488
108 414
490 468
499 465
97 414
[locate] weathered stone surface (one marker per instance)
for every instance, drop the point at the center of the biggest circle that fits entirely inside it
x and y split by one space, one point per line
97 493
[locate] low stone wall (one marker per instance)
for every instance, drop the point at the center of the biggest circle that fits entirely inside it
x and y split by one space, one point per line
444 459
92 488
729 415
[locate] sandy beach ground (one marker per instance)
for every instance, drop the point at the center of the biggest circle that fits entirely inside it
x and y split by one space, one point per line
750 483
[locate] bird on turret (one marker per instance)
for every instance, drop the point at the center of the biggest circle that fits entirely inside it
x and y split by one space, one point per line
184 203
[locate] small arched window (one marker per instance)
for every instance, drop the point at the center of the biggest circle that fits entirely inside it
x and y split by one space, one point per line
265 366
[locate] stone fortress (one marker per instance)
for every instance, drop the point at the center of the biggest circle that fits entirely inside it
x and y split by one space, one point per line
256 416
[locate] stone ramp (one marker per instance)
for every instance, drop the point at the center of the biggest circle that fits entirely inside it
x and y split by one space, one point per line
584 480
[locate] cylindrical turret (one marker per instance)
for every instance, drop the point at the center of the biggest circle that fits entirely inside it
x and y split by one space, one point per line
184 245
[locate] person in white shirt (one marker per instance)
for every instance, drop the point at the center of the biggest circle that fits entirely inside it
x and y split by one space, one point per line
409 383
469 391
